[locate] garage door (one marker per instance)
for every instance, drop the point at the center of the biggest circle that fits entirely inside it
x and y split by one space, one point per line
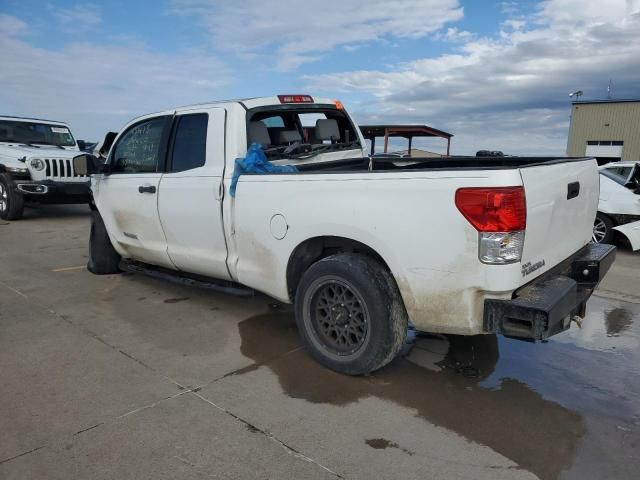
603 150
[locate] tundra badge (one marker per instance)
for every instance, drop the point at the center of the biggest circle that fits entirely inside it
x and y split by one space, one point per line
528 268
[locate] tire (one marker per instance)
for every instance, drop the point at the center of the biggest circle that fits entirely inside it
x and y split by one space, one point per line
602 229
11 200
103 259
363 324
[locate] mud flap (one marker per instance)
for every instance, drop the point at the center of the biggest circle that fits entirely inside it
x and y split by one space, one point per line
632 232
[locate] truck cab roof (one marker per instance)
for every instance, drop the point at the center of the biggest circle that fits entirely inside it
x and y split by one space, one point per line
246 103
253 102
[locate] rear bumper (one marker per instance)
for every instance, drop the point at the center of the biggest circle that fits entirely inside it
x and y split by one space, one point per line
546 306
48 191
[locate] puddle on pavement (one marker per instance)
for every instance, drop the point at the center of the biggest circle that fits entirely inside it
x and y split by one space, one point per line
617 320
531 403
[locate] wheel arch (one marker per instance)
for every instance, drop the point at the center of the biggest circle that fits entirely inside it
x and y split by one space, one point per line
316 248
610 216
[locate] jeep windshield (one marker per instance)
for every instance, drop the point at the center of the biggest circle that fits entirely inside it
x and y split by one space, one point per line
34 133
300 132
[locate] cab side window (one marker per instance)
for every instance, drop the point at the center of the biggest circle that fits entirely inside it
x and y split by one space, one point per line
190 142
139 149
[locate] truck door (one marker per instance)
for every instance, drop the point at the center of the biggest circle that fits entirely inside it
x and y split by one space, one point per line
127 195
190 203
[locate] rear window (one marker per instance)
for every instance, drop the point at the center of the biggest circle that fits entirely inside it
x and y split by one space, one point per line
309 119
276 121
286 126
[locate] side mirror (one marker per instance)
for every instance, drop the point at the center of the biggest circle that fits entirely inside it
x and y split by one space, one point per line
82 145
86 164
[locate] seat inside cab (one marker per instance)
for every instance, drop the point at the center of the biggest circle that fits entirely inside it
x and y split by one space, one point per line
281 127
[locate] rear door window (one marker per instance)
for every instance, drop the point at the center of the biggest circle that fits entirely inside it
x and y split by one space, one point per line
190 142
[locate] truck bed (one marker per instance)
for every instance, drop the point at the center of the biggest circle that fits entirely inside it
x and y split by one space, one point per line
394 163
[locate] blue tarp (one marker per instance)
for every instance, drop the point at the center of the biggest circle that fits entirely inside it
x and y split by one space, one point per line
256 162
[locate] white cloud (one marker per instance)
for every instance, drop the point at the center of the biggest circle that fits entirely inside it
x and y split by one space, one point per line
587 12
302 31
12 26
453 34
78 18
509 8
98 87
506 92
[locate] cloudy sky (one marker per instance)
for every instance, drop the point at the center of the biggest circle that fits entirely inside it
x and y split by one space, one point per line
497 74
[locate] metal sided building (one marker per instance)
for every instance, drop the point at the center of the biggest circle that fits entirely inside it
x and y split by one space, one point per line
606 129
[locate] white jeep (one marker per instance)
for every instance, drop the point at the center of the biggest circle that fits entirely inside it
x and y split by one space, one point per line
36 165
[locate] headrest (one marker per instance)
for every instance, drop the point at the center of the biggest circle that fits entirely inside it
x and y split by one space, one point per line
327 129
258 133
289 136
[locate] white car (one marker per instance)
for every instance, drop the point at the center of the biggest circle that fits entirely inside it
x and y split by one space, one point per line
36 164
619 205
361 245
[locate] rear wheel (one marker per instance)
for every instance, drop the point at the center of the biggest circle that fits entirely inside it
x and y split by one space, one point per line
11 200
103 259
602 229
350 314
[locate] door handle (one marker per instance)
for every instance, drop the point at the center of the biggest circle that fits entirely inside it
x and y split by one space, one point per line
147 189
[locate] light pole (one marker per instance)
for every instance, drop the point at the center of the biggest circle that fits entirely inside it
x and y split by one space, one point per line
577 94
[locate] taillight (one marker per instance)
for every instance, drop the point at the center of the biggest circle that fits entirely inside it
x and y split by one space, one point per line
500 216
295 98
500 209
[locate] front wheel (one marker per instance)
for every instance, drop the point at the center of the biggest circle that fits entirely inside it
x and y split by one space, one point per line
602 229
11 200
350 314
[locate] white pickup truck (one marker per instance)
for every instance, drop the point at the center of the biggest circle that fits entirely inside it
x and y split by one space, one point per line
361 245
36 165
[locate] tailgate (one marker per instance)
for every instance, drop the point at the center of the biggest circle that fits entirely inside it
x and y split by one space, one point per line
562 200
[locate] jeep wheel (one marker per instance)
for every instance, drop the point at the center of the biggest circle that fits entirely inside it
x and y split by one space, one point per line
103 259
11 200
350 314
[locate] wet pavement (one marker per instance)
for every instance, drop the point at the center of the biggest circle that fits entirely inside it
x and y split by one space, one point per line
128 376
564 408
